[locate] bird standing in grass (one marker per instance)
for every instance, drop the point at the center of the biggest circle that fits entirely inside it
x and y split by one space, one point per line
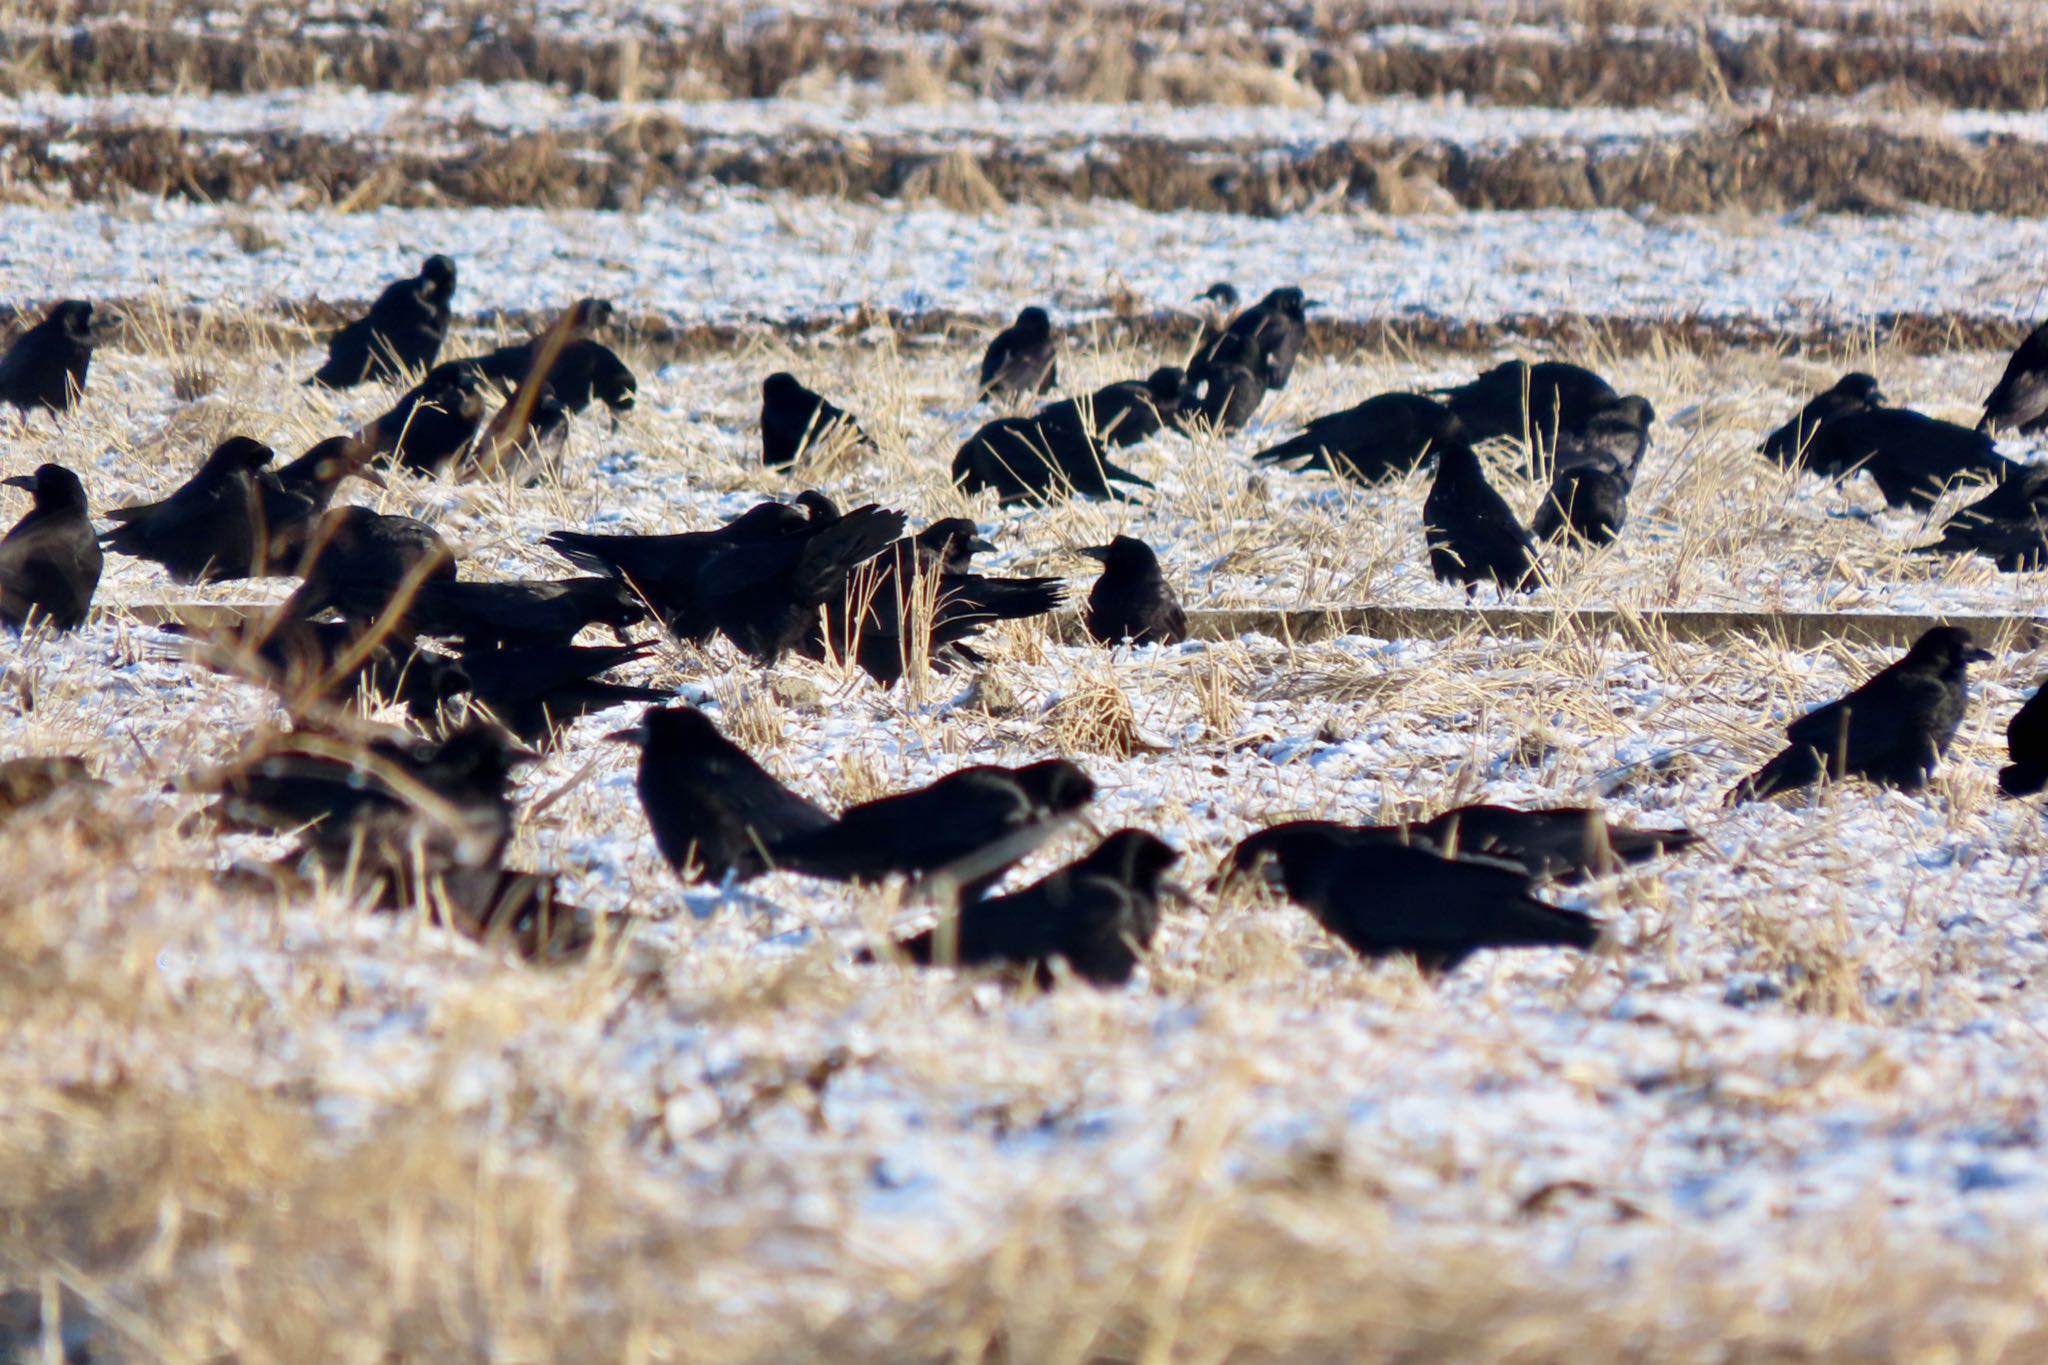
1096 915
710 805
47 365
1474 536
211 527
401 333
1385 898
1892 730
50 561
2026 740
794 420
1132 599
2020 400
1022 360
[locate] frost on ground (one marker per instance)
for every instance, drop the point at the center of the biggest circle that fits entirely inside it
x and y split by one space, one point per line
1792 1111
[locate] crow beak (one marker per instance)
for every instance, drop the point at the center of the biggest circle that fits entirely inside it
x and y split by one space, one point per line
635 735
981 547
1313 303
370 476
1974 656
27 481
1099 553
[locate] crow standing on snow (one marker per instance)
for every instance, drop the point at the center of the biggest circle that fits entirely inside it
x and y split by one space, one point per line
1021 360
709 804
403 330
1791 444
1893 729
1474 536
875 622
2020 401
1384 437
585 371
2008 525
2026 739
664 569
1096 915
794 419
1227 383
211 527
1518 400
965 829
1383 897
1593 470
765 596
47 365
1120 414
1024 460
1273 329
1912 457
433 422
1565 844
1132 600
50 562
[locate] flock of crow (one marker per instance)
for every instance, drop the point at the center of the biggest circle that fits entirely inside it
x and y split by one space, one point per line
382 616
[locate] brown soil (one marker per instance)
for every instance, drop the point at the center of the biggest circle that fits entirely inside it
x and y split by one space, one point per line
1766 166
1157 54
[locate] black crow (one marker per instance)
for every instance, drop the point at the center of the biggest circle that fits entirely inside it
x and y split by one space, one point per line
47 365
1791 445
793 420
1563 844
585 371
403 330
926 580
963 831
2008 525
1387 898
211 527
2026 740
355 546
1120 414
1589 501
394 804
306 661
711 806
1519 400
433 422
1132 599
1474 536
1097 915
1389 436
50 561
765 596
1024 461
537 690
1226 384
296 495
1273 330
2020 400
1914 458
1021 360
1893 729
663 569
1615 436
510 613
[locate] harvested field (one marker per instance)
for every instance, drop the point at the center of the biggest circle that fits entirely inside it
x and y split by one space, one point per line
1787 1110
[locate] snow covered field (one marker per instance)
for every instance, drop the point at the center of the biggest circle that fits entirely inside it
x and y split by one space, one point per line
1793 1114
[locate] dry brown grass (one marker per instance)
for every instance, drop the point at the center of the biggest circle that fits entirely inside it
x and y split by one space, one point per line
266 1126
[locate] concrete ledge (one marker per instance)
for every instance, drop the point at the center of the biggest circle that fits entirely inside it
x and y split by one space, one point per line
1793 630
